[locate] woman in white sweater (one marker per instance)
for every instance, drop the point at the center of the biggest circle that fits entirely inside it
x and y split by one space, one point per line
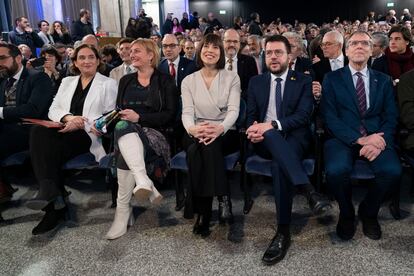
211 99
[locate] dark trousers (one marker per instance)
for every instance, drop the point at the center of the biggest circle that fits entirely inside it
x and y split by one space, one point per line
14 138
49 150
339 160
207 170
287 171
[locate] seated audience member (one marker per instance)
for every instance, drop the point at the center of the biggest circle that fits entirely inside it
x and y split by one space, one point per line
44 32
211 99
59 33
50 66
380 43
189 49
398 58
124 50
405 98
176 26
243 65
23 94
24 34
178 67
26 53
256 52
80 100
279 107
361 117
148 99
110 55
298 63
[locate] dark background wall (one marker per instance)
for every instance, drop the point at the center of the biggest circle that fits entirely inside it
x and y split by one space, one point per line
316 11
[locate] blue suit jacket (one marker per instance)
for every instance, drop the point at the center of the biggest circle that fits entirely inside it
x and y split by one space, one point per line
297 104
339 106
185 68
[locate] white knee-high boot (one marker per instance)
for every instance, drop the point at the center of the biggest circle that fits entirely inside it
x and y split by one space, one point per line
123 213
132 151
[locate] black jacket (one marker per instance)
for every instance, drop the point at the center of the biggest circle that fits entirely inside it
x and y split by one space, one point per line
78 30
163 99
246 69
33 96
185 68
322 67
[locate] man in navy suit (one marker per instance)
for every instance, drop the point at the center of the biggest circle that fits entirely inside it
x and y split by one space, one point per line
23 94
178 67
279 107
175 65
361 117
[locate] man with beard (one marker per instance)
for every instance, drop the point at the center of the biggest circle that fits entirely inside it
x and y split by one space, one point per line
245 66
24 34
82 27
23 94
279 107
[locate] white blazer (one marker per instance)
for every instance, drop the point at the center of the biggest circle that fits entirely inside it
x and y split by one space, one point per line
101 98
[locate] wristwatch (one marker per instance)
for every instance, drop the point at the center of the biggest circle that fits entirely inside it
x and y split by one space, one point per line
275 125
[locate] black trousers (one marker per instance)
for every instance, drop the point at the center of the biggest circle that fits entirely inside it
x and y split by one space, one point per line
287 171
207 170
14 138
49 150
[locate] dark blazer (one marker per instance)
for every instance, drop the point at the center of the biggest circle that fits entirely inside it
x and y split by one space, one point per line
405 97
297 104
322 67
33 96
163 99
185 68
304 65
381 64
246 69
78 30
339 106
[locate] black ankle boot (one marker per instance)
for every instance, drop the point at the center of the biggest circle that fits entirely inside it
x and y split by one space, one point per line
48 192
204 229
50 220
225 210
196 226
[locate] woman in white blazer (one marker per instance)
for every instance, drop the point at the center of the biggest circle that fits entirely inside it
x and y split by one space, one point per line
79 101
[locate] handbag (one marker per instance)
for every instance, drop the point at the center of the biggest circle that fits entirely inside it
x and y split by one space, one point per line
106 123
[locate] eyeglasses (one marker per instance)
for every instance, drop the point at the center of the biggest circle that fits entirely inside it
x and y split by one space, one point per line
4 57
231 41
364 43
327 44
171 46
278 53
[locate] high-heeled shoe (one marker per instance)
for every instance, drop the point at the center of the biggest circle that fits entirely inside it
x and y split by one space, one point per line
123 213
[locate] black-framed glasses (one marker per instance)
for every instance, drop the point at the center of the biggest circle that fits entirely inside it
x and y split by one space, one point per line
171 46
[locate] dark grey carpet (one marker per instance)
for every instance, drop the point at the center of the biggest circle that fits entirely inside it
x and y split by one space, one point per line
161 241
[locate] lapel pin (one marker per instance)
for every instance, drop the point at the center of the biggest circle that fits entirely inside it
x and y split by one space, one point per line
292 78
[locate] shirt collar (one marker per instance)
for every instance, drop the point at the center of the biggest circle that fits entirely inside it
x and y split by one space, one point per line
18 74
234 59
364 71
176 61
283 76
339 58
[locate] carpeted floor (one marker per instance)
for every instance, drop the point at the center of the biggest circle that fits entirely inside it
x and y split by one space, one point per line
161 241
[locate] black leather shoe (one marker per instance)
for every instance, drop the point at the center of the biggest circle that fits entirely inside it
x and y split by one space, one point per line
395 211
345 229
370 226
47 193
277 249
50 220
180 204
202 226
248 204
318 203
225 210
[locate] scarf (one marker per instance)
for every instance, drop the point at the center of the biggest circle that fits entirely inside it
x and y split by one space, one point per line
398 64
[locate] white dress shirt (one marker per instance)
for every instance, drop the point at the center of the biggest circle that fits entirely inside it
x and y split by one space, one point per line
271 114
175 62
365 77
234 64
337 63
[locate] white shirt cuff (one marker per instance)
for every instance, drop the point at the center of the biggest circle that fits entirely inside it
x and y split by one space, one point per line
279 126
1 113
